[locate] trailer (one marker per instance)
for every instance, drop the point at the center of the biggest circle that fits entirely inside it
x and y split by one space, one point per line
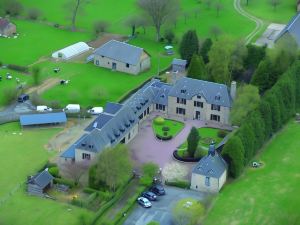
72 108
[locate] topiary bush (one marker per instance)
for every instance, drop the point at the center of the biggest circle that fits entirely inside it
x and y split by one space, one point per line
165 128
159 120
54 171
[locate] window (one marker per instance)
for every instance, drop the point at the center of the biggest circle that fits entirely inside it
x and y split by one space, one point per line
102 56
181 101
215 117
128 135
127 65
141 116
97 62
199 96
148 110
207 181
215 107
218 97
183 91
198 104
160 107
180 111
86 156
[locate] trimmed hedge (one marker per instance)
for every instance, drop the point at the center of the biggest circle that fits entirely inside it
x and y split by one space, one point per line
69 183
179 183
89 190
54 171
164 138
23 69
187 159
159 120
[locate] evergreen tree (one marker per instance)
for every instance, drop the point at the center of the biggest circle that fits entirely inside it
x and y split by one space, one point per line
262 75
197 68
257 125
254 56
192 141
233 153
206 46
189 45
266 115
275 111
246 134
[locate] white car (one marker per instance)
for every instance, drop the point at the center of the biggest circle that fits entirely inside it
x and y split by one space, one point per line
144 202
95 110
43 108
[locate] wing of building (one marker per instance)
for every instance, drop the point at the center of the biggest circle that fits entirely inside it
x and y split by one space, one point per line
119 123
292 28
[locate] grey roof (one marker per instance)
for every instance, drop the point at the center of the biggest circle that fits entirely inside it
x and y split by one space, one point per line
180 62
43 118
70 152
211 166
120 51
292 28
112 108
43 178
213 93
3 23
99 122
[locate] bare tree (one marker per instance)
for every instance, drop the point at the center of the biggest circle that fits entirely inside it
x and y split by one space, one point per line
274 3
133 22
218 6
100 26
186 15
159 11
76 5
75 171
196 12
208 3
34 13
215 31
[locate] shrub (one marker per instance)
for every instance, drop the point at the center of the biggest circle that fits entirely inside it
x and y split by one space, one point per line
164 138
69 183
153 223
56 25
22 69
13 7
169 36
36 99
34 14
54 104
179 183
89 190
159 120
54 171
222 133
146 181
100 27
165 128
10 94
199 153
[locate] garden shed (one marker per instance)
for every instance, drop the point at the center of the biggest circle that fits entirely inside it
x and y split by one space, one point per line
71 51
39 183
179 65
43 119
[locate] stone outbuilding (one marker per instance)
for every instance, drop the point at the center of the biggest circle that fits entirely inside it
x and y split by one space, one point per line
39 183
123 57
7 28
210 174
179 65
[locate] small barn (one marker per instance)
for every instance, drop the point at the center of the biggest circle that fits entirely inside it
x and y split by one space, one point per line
29 120
7 28
123 57
179 65
210 174
71 51
39 183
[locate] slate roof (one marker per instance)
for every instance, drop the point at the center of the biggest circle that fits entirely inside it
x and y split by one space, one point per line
213 93
112 108
3 23
42 179
211 165
43 118
99 122
293 28
120 51
70 152
180 62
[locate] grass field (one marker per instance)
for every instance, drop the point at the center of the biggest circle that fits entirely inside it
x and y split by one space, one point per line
174 127
263 9
268 195
23 158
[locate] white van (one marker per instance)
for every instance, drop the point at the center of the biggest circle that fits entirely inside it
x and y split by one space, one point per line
72 108
95 110
43 108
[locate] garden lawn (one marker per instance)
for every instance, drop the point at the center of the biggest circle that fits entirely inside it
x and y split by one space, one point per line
268 195
174 127
24 154
264 10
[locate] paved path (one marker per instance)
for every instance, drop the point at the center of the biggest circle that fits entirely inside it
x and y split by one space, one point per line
259 23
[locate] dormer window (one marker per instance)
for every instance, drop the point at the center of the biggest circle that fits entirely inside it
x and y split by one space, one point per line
199 96
83 144
183 91
91 146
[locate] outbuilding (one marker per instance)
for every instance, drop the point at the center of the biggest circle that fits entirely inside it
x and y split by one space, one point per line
7 28
71 51
179 65
210 174
43 119
39 183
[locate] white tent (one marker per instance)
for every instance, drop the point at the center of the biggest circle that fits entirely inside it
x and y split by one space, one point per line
71 51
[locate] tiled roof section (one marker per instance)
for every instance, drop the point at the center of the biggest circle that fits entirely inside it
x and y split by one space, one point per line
112 108
293 28
43 179
99 122
120 51
3 23
43 118
180 62
70 152
213 93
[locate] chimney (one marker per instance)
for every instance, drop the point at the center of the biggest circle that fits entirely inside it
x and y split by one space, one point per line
233 90
211 149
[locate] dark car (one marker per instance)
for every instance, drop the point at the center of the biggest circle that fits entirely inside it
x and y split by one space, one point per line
23 98
149 195
144 202
158 189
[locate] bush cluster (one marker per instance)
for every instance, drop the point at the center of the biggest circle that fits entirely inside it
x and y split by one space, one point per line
67 182
22 69
54 171
222 133
179 183
159 120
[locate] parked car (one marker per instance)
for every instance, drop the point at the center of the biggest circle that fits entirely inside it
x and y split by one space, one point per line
144 202
23 98
158 189
95 110
72 108
149 195
43 108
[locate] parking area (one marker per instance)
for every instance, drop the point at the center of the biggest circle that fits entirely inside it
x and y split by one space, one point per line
161 210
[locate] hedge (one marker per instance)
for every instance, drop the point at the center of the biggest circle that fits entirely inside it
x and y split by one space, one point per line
23 69
179 183
67 182
187 159
54 171
164 138
89 190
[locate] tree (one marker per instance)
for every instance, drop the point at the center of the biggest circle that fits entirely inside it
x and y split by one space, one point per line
189 45
36 75
256 122
74 171
188 211
247 100
196 69
153 223
238 55
12 7
215 31
262 74
100 27
208 3
266 115
275 111
218 6
205 48
233 153
246 134
133 22
34 13
169 36
192 141
255 54
274 3
159 12
76 6
150 169
10 94
114 166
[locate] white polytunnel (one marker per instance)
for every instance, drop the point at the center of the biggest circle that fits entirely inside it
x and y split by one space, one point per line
71 51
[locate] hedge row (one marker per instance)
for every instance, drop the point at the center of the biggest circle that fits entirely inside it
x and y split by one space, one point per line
67 182
179 183
22 69
186 159
164 138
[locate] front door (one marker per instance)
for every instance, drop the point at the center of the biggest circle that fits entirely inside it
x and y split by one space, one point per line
114 66
197 116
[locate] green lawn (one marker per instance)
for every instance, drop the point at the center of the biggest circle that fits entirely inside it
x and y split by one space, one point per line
174 127
269 195
263 9
23 154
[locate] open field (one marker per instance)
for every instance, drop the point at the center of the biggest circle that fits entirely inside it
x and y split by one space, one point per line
264 10
268 195
23 158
